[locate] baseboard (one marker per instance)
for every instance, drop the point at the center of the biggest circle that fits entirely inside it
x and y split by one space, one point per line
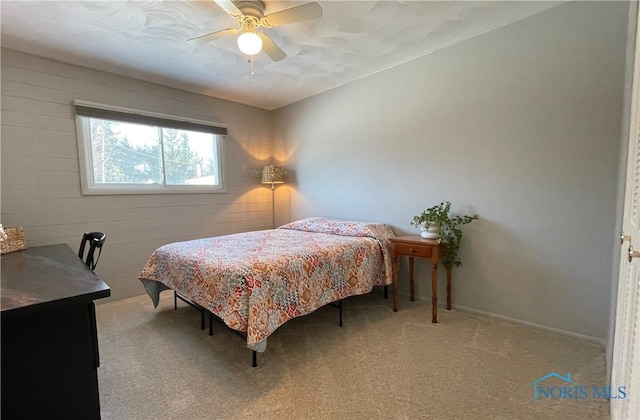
582 337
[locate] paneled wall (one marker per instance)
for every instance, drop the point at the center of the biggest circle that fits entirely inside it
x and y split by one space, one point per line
40 170
521 125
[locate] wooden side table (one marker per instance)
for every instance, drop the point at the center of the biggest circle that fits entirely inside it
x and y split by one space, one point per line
415 246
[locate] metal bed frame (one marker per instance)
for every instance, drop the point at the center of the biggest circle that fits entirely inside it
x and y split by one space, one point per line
254 354
176 296
212 316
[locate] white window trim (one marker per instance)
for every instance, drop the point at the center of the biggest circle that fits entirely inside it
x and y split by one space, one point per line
89 187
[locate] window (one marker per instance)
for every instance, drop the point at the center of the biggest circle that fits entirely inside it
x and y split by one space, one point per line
130 152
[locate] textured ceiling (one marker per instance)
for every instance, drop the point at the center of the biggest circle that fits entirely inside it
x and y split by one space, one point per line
147 40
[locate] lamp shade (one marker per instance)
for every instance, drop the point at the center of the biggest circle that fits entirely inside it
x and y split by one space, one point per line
272 175
250 43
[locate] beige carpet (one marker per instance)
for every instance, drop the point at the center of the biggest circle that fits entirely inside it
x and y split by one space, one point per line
158 364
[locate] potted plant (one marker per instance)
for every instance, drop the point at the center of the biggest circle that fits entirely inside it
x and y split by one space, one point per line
430 220
436 222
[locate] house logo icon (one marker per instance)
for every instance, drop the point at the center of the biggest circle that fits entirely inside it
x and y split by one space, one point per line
536 386
569 390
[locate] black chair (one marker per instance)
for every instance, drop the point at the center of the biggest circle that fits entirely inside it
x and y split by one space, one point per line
96 240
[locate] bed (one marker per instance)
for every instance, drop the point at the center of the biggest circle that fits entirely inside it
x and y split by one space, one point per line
256 281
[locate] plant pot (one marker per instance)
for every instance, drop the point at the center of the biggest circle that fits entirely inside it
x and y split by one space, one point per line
429 232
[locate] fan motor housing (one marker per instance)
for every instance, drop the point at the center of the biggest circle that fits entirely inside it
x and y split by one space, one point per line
251 8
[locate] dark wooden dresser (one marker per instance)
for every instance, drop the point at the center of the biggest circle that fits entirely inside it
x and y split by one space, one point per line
49 340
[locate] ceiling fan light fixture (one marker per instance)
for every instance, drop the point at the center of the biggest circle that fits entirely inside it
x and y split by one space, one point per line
249 43
249 14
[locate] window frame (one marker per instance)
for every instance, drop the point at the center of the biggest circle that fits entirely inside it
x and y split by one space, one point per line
85 158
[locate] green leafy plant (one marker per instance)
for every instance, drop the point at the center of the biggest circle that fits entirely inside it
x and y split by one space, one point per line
433 216
448 229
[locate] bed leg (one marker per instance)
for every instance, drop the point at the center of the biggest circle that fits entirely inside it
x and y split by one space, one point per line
175 300
201 319
210 324
386 292
340 309
254 355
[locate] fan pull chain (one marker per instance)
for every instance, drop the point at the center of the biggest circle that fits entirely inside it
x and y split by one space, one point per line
251 61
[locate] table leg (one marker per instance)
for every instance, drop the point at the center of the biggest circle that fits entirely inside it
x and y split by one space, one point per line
394 277
411 282
449 288
434 292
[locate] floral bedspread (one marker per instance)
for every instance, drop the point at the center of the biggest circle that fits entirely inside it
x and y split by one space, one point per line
256 281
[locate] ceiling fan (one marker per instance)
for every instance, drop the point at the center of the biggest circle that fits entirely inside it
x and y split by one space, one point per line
250 16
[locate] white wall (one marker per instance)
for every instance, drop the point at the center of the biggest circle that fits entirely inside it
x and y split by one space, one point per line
40 172
521 125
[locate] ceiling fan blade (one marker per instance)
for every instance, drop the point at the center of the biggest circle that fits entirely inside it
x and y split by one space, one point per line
270 47
204 39
229 7
301 13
